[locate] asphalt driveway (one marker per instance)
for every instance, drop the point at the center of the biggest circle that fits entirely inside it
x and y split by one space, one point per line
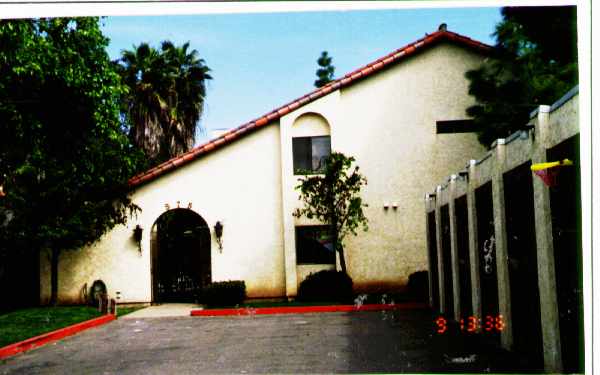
383 342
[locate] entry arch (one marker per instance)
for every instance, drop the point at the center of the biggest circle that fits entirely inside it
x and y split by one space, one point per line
180 247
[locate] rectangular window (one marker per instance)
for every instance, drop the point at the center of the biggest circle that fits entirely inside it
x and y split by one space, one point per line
310 154
455 126
314 245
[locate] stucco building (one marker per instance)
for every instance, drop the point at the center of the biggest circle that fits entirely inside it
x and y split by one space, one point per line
386 114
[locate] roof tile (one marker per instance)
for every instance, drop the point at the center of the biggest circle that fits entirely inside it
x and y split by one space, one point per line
378 65
188 157
240 131
178 161
303 100
314 95
261 121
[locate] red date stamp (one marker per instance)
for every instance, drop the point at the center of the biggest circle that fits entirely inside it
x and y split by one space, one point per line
473 324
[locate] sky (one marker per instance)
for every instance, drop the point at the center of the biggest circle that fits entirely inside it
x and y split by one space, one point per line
261 61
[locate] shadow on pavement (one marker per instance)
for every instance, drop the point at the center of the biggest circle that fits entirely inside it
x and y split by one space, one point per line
411 344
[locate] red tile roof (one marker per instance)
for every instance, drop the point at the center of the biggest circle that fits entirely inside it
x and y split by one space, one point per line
345 81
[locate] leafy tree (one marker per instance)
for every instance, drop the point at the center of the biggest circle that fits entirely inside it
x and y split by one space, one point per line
64 157
334 198
535 63
166 97
325 70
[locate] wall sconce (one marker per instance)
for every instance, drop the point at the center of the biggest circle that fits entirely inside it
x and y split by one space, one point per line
137 236
386 205
395 205
219 234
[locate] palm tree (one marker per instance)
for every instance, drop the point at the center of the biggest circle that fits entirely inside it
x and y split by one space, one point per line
191 75
145 104
165 98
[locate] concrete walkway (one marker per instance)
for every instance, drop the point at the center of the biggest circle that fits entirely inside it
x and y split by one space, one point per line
163 310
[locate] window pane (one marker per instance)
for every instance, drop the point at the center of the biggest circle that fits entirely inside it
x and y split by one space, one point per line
321 148
302 153
314 246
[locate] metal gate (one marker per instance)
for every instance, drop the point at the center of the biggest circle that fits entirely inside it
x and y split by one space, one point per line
180 256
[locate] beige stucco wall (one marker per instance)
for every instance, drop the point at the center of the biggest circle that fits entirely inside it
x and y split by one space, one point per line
563 122
238 185
387 122
408 156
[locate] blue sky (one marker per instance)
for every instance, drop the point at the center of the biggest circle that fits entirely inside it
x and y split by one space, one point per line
260 61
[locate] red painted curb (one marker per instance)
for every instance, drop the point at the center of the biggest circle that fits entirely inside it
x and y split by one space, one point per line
304 309
45 338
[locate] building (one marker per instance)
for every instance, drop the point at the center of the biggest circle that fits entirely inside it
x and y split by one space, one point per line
386 114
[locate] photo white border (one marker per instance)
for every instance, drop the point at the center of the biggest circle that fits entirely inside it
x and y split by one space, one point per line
12 9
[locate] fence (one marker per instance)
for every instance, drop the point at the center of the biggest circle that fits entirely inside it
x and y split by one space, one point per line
505 247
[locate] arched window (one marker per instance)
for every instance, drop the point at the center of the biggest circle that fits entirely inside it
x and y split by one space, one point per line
311 143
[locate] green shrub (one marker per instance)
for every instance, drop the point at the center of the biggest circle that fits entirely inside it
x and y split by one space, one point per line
224 293
417 290
326 286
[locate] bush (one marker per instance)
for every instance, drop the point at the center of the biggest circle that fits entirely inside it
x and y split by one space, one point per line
224 293
326 286
418 286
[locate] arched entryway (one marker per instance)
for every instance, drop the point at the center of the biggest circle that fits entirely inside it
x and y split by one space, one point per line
180 247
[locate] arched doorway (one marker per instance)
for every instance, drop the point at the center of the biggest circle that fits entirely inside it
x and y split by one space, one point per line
180 247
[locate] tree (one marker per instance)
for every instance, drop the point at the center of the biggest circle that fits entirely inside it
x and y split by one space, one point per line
167 90
64 155
325 70
145 104
334 198
191 75
535 63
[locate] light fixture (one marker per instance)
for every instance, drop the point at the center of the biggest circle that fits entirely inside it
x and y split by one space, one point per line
386 205
219 234
395 205
137 236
